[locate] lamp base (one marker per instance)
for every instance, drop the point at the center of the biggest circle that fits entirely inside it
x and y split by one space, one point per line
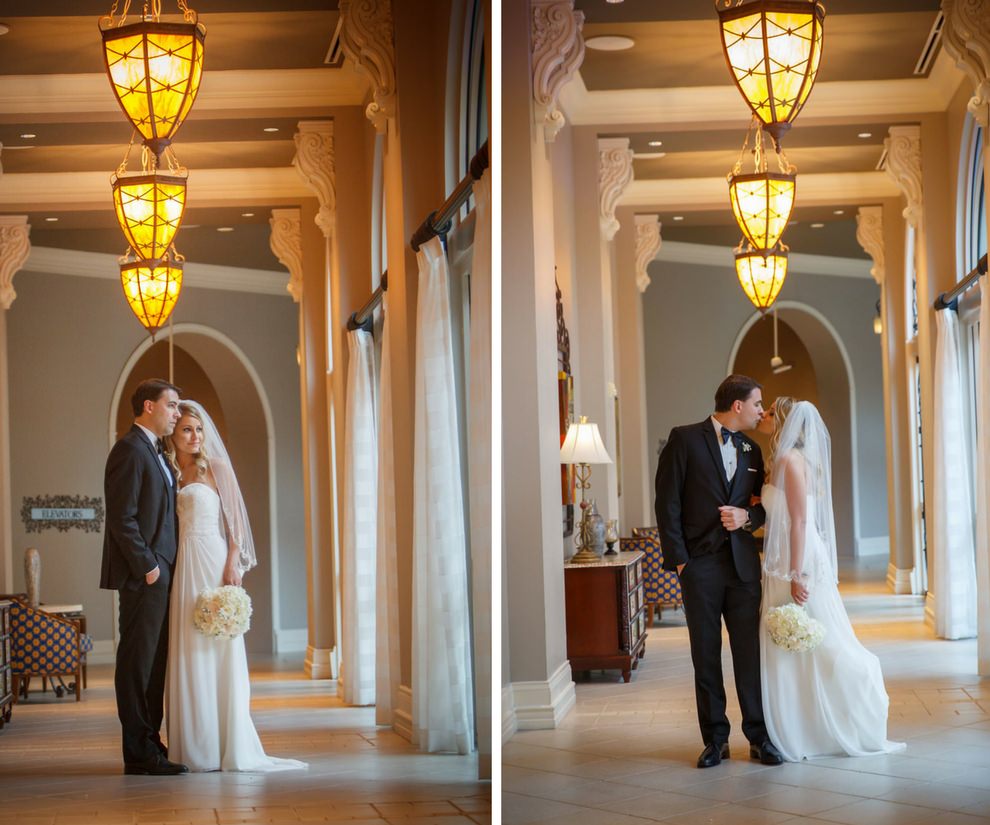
611 549
585 556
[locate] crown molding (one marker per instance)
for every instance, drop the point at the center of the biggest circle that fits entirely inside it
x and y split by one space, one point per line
25 96
212 187
722 256
203 276
712 105
694 194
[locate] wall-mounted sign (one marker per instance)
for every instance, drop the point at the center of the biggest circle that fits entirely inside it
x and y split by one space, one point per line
62 513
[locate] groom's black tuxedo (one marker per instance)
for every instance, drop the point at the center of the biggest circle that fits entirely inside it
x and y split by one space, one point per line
721 577
140 535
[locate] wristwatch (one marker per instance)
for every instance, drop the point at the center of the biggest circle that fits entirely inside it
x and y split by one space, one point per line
748 526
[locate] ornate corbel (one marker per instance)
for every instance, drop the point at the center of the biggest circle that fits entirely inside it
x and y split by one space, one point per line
314 161
615 171
558 51
367 36
14 250
903 146
869 233
966 36
286 244
648 243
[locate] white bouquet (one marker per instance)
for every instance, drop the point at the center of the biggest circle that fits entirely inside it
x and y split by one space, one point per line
791 628
223 612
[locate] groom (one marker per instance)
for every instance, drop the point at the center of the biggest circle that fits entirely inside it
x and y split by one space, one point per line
138 557
707 475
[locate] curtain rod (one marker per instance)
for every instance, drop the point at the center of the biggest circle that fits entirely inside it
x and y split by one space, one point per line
363 318
951 299
438 221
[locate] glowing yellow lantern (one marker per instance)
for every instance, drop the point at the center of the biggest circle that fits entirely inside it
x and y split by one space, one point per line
155 69
762 274
149 207
762 204
773 49
151 289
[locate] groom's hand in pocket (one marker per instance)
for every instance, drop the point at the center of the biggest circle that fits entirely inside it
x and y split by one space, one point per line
152 575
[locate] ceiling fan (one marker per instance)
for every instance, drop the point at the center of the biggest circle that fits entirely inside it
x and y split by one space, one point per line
777 364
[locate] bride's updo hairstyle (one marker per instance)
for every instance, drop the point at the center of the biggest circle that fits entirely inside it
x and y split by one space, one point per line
202 459
781 409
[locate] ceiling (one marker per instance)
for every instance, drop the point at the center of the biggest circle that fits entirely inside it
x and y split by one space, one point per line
265 69
658 90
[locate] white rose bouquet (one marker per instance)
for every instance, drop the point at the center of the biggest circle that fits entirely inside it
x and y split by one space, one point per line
223 612
791 628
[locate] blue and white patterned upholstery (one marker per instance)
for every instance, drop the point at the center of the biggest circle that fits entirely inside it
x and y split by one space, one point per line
45 645
660 587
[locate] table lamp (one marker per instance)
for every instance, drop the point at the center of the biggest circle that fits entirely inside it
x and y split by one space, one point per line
583 446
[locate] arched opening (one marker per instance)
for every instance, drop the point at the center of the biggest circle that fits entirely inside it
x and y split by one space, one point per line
211 369
821 373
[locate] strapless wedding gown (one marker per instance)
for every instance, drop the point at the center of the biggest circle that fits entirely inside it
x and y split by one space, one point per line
208 692
830 701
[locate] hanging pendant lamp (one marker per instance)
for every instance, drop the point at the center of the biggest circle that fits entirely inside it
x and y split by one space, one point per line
761 274
155 70
773 49
152 287
149 207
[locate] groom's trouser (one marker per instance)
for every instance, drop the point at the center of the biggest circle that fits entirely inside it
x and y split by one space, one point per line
711 590
142 653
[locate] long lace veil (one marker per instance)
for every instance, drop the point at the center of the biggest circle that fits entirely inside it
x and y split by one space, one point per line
232 502
805 444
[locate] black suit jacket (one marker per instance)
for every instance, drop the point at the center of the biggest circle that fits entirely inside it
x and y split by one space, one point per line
141 519
691 486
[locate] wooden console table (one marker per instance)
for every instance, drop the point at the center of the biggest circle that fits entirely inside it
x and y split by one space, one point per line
6 680
606 616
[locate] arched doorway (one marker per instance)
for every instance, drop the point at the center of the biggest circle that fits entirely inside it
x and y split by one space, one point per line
213 370
822 373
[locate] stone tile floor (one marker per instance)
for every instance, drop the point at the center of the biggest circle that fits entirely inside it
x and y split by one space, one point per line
60 764
626 752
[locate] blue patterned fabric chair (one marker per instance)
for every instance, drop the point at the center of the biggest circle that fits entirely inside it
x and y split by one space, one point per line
661 588
45 645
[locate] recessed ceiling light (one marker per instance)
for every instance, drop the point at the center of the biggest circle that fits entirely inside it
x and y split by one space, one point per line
247 214
793 223
4 29
270 129
838 211
610 43
225 229
817 226
649 155
656 143
678 217
865 135
28 136
51 220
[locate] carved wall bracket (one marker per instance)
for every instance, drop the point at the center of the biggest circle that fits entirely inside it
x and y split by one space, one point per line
966 36
286 244
648 242
869 233
367 36
14 250
903 146
314 161
558 51
615 171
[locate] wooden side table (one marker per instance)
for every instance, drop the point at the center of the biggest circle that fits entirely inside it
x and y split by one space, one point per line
606 616
6 680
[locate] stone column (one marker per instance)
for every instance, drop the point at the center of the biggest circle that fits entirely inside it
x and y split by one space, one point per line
314 160
966 37
541 50
14 250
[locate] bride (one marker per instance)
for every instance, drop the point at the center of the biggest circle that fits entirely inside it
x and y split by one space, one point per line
208 693
831 700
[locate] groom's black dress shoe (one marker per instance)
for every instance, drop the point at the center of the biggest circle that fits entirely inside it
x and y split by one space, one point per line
159 766
767 753
713 754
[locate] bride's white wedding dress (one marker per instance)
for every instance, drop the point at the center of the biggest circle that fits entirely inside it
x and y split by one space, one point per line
208 692
831 700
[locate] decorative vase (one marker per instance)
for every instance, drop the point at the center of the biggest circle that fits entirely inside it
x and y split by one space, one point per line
611 536
32 575
596 530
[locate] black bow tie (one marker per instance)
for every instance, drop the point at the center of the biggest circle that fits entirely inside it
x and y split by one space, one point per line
727 434
158 447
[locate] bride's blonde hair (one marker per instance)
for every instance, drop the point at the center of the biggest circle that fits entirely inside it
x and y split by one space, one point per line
781 409
201 458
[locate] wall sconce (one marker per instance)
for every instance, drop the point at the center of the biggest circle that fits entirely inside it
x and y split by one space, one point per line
878 320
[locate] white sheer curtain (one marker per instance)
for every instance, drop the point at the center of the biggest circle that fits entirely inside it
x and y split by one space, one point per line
954 563
983 480
387 672
480 461
443 716
358 557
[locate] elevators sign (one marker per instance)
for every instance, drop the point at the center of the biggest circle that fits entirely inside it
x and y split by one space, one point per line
62 513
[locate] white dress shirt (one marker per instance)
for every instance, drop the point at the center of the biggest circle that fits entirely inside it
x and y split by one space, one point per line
728 449
161 459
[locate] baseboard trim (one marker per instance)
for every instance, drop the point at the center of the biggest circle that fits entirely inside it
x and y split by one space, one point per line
402 715
291 640
103 653
542 705
509 723
873 546
321 662
899 580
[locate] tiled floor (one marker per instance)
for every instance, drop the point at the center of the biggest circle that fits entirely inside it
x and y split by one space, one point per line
60 765
626 753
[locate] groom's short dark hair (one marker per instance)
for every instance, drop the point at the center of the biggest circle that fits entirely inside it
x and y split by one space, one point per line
150 390
732 389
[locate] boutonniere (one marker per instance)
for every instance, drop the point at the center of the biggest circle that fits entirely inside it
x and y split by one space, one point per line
745 447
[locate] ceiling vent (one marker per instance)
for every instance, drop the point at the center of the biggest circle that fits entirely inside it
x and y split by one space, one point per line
335 54
930 49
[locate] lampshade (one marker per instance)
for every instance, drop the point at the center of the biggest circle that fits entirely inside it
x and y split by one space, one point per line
149 208
155 69
151 289
761 275
762 204
773 49
583 445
